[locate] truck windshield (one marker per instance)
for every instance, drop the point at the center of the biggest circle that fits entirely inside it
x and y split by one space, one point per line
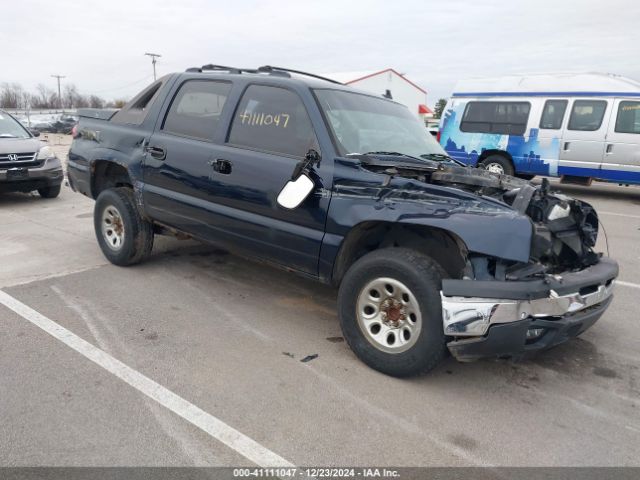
10 128
361 124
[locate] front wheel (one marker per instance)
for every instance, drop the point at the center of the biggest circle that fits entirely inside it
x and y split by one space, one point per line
50 192
391 313
124 236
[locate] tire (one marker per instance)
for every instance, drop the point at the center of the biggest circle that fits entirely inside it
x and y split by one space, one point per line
50 192
498 164
130 240
412 274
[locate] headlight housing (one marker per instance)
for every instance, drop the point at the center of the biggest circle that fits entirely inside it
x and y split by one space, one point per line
46 153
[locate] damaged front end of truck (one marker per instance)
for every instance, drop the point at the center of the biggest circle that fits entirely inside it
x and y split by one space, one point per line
499 305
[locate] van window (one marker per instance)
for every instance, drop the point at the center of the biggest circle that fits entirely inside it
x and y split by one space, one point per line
628 120
272 119
506 118
196 109
552 114
587 115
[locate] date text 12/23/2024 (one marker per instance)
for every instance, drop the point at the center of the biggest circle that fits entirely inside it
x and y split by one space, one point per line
310 472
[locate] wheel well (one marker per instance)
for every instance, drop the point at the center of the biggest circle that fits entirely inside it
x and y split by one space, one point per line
487 153
106 174
442 246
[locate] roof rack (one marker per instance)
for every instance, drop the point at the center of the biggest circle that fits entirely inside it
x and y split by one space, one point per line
270 69
280 71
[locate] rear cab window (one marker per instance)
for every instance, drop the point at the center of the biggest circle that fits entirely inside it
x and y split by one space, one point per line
196 109
628 118
505 118
553 114
587 115
135 111
272 119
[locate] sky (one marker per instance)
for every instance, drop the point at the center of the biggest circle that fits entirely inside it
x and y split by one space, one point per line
99 45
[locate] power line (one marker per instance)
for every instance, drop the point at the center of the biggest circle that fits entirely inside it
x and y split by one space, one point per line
153 62
145 78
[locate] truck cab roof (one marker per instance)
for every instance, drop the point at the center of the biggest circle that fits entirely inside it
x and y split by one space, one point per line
137 109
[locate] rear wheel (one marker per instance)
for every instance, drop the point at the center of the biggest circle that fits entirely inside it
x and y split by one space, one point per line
391 313
124 236
498 164
50 192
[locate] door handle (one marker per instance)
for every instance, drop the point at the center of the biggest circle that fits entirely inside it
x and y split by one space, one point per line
566 146
221 165
156 152
609 148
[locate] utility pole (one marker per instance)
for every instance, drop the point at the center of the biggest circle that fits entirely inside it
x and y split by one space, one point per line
153 62
59 77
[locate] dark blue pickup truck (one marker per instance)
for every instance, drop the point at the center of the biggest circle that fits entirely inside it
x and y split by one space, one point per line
350 189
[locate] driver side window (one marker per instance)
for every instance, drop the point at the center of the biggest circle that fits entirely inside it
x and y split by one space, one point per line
272 119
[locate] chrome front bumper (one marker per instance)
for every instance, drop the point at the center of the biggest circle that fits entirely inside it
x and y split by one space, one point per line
472 316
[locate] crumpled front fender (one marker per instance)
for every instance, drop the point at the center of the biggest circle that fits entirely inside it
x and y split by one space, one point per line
485 227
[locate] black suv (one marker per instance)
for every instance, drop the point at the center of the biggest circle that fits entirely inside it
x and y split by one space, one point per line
350 189
26 164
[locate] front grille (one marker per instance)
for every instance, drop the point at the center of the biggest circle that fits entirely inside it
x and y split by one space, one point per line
11 160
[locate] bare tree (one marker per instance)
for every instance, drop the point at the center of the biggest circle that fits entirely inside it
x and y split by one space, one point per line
96 102
43 97
69 95
11 95
117 103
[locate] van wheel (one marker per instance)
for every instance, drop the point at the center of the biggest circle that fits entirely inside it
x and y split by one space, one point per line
391 313
498 164
125 238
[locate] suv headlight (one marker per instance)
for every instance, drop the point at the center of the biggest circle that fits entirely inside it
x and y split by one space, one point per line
46 153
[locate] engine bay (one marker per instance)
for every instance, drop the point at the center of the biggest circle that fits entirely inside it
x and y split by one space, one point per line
565 229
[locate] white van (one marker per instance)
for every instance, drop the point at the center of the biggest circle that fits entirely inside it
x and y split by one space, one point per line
578 127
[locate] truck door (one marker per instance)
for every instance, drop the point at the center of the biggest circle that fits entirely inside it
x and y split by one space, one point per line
622 150
177 169
270 132
582 146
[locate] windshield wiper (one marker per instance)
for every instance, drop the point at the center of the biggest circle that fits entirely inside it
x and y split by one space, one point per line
393 154
441 157
7 135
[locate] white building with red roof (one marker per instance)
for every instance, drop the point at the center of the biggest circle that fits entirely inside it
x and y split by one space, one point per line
388 82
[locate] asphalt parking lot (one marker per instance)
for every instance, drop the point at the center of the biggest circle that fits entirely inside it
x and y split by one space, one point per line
229 336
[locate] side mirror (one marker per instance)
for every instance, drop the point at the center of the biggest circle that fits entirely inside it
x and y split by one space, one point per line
295 192
35 133
300 185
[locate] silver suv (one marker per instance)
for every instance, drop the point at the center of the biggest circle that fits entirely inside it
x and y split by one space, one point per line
26 164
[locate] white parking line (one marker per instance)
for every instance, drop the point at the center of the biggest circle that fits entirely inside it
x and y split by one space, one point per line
206 422
627 215
627 284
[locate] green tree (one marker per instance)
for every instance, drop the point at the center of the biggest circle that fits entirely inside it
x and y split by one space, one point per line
437 113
